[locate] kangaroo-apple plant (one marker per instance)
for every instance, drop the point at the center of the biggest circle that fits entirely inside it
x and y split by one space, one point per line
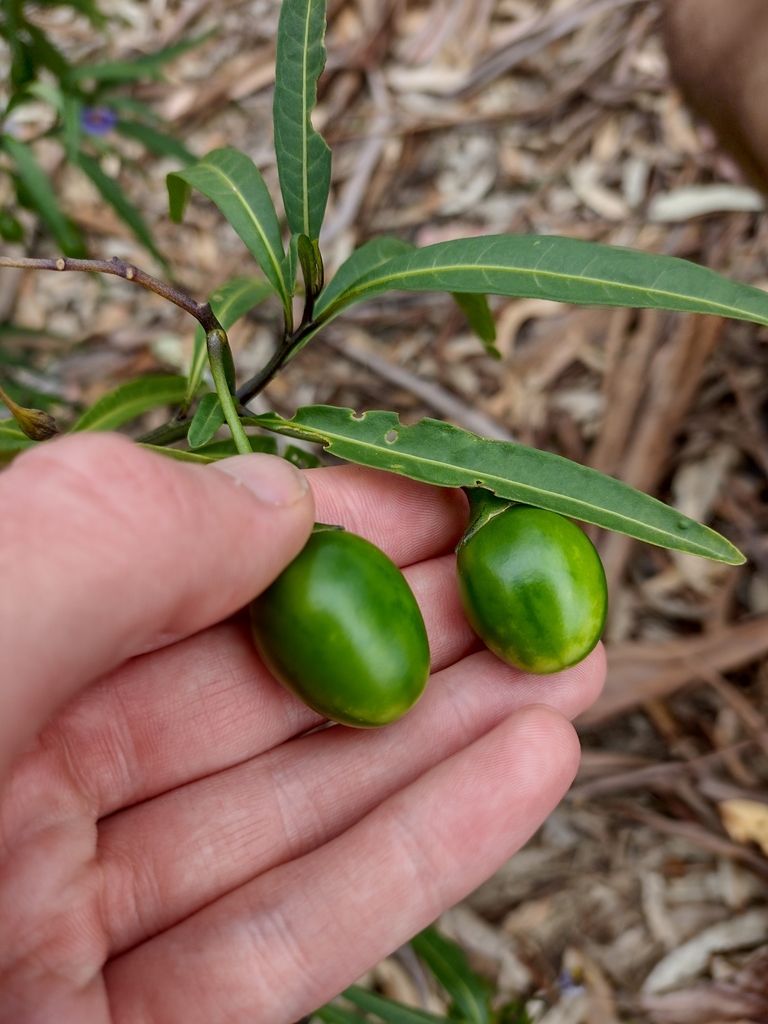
499 476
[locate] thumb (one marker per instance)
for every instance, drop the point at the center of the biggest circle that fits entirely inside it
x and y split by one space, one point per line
108 551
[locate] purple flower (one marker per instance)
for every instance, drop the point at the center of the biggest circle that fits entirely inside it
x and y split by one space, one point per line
97 120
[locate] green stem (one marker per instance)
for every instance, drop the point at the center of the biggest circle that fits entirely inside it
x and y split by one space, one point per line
283 354
173 430
219 356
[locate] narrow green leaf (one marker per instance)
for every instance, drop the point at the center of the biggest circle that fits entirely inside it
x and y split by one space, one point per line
362 261
22 58
71 112
480 318
229 302
303 158
335 1015
226 447
46 54
208 417
232 181
564 269
291 263
155 141
131 400
311 263
300 458
388 1011
447 456
179 454
149 65
378 251
116 198
469 993
40 192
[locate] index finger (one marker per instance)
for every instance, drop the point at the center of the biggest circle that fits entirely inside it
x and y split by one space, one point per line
107 551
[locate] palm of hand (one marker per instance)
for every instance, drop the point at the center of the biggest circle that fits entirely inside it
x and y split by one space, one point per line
176 847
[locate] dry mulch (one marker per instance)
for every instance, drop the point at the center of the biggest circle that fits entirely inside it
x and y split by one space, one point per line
645 895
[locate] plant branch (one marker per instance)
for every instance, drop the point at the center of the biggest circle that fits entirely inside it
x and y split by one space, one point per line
173 430
287 349
119 268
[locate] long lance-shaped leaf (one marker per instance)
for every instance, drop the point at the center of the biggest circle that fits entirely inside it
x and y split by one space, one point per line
131 400
229 302
375 254
439 453
387 1010
156 142
469 992
336 1015
564 269
232 181
480 318
369 257
206 421
149 65
40 191
303 157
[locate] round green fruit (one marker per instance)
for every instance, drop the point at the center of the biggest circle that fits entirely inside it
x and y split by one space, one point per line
340 629
533 588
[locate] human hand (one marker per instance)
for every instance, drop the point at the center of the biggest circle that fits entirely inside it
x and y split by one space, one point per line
172 847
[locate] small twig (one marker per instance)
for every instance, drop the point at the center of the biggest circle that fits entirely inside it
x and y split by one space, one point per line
694 834
647 777
285 351
119 268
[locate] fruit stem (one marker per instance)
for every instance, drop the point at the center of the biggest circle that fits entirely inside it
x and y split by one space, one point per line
483 506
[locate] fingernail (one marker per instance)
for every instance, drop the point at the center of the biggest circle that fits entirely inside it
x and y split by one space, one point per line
271 479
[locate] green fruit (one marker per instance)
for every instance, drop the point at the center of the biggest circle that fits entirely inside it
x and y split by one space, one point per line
533 588
340 629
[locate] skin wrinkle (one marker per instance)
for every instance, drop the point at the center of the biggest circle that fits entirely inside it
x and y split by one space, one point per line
324 761
206 703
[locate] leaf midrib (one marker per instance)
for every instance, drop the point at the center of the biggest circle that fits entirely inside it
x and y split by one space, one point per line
259 230
304 123
352 295
489 477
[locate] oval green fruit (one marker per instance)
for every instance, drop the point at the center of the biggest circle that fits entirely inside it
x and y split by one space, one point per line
341 629
533 588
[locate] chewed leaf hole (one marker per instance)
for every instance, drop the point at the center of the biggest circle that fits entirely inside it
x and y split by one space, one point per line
358 416
391 436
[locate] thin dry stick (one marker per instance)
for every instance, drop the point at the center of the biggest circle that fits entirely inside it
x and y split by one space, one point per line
119 268
753 721
641 778
552 27
694 834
